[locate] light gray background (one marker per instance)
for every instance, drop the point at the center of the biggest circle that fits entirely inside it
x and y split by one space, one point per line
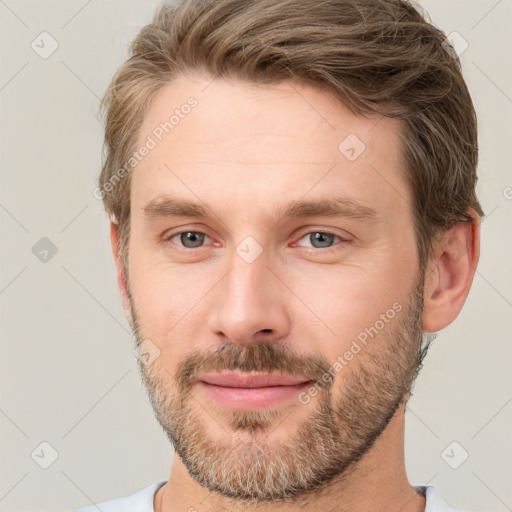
68 374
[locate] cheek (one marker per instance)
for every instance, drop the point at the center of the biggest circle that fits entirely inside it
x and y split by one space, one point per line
167 297
344 301
161 308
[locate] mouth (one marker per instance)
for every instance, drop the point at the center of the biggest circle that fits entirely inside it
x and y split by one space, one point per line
251 391
251 380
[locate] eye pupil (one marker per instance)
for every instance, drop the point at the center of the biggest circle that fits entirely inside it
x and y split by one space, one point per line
191 239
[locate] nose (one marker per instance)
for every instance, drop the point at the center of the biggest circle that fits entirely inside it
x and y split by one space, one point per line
250 304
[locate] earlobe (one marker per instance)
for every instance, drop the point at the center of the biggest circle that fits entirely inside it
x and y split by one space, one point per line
450 274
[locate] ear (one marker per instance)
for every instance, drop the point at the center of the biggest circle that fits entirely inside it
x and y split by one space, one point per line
450 274
122 278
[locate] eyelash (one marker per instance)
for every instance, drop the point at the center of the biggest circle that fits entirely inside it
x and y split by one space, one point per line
323 250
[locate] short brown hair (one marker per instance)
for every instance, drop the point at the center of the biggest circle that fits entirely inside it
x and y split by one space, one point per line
375 56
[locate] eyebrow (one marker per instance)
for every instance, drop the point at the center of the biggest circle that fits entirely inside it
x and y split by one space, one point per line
167 206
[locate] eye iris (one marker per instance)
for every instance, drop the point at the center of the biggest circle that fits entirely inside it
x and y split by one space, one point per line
191 239
323 238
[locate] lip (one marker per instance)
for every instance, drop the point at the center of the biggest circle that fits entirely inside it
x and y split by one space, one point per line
251 380
251 391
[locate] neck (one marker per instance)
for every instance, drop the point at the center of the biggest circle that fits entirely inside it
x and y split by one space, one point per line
377 483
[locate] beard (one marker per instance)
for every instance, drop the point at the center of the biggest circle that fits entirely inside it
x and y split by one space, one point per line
243 462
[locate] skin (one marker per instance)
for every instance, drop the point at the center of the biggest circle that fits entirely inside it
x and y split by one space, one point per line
243 151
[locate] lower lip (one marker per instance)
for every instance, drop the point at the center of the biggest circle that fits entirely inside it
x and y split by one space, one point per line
252 398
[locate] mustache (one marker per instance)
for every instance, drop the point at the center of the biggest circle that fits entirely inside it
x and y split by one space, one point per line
264 357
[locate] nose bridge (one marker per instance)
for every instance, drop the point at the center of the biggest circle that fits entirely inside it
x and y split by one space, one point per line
248 281
249 299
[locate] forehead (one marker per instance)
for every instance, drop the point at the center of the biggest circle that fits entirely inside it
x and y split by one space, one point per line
235 138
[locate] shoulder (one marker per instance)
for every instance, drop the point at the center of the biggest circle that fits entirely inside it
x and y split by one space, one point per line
434 502
141 501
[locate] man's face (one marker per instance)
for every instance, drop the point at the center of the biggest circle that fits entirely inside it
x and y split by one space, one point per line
252 289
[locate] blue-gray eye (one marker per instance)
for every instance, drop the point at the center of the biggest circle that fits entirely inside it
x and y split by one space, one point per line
320 239
191 239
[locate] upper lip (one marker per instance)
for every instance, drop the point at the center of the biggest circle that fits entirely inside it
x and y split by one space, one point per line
248 380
